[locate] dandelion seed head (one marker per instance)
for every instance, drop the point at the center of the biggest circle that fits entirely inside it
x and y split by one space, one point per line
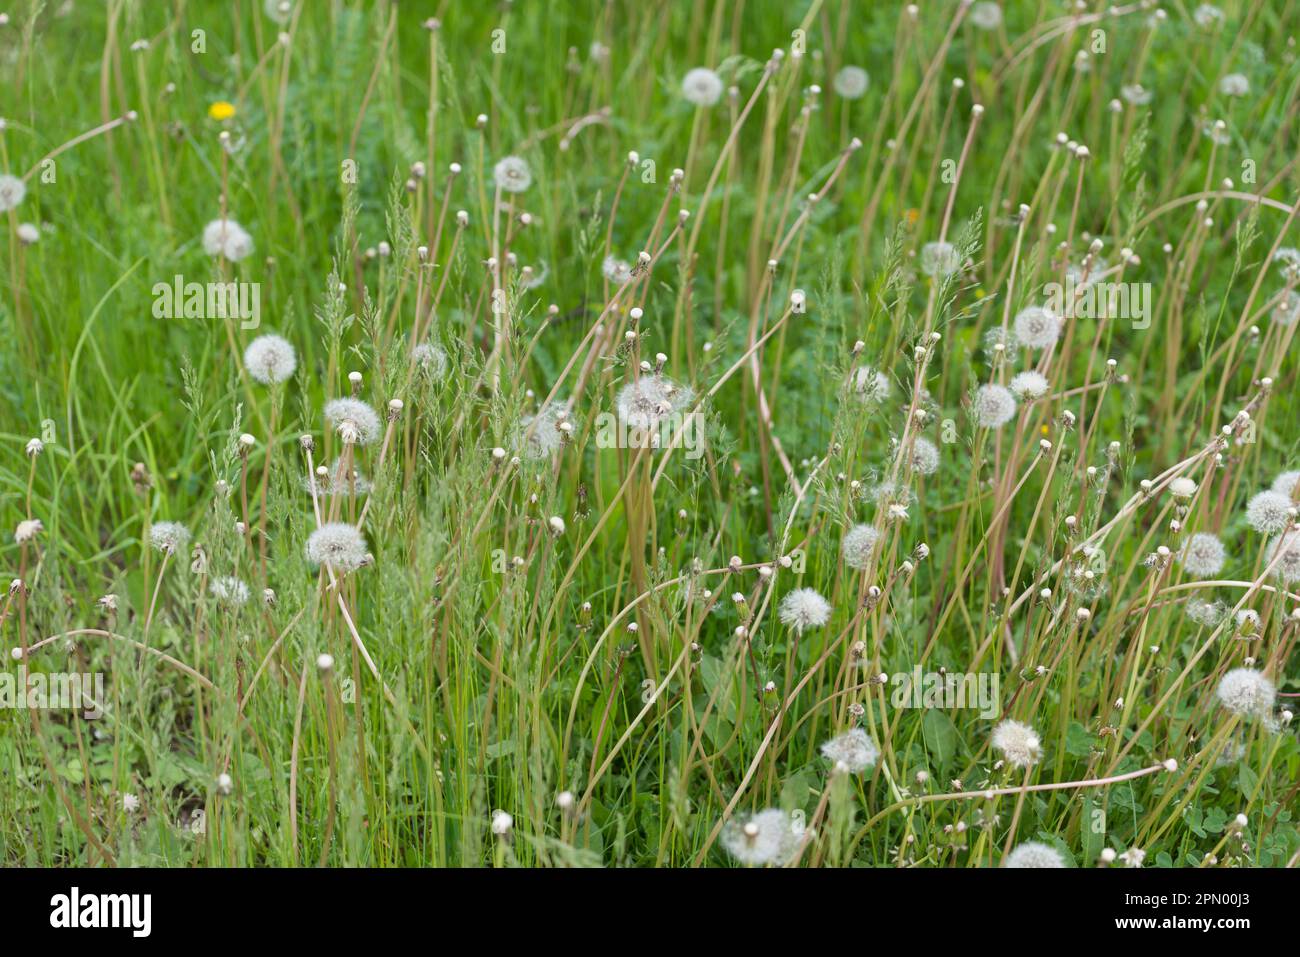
1287 310
431 359
353 419
12 191
168 536
940 259
1182 487
1203 555
27 530
1034 854
858 545
1135 93
1269 512
337 545
1029 385
28 233
278 11
1206 613
512 174
616 270
851 82
804 608
1247 693
854 748
702 86
1018 742
1234 84
1207 16
1286 484
767 837
270 359
1288 545
540 436
650 399
994 406
986 15
871 385
228 239
925 456
1037 327
229 590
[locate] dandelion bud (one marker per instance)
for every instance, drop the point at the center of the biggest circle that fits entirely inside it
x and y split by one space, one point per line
307 442
268 597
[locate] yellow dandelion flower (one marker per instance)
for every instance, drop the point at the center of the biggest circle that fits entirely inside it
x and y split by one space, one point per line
221 110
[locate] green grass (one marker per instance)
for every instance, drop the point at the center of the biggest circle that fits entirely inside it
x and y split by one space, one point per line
484 661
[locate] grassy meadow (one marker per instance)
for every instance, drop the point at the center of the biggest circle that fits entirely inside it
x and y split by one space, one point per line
758 433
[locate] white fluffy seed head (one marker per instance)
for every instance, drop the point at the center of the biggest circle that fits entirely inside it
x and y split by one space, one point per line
1247 692
858 545
1018 742
270 359
871 385
512 174
1203 555
228 239
766 838
994 406
353 419
1034 854
1037 327
1269 512
702 87
851 82
940 259
1286 484
229 590
430 359
925 456
1029 385
338 545
1288 546
854 749
804 608
12 191
1182 487
168 536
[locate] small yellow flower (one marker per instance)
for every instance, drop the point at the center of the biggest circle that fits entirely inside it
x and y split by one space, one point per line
1044 430
221 110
